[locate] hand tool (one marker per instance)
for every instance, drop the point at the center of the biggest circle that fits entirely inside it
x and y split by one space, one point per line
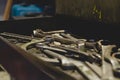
106 54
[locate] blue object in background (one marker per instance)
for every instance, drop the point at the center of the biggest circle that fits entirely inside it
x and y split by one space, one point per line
21 10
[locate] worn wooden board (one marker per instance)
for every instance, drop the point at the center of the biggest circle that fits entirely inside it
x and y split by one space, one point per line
102 10
5 7
75 7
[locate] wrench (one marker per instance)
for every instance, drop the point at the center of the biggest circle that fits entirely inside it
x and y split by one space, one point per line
80 67
40 45
18 36
41 33
65 63
116 56
106 54
69 36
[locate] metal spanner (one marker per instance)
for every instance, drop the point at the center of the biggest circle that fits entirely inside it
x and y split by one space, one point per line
106 54
68 62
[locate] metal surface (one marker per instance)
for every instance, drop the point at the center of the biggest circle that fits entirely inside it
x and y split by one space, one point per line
58 53
53 73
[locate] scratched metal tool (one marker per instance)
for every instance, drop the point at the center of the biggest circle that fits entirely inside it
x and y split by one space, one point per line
87 72
114 67
79 58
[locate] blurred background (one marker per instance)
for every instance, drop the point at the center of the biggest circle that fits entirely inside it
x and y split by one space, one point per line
99 10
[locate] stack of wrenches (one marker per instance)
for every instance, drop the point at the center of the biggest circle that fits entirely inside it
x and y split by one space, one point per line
70 53
74 64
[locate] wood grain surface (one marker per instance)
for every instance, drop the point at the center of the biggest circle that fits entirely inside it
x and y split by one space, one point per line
104 10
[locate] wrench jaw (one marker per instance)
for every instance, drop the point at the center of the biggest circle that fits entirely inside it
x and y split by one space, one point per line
66 65
116 70
109 56
116 56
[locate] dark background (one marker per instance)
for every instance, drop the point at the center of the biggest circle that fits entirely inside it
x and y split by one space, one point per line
80 27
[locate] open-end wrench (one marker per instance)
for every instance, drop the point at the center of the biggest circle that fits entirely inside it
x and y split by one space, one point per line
69 36
67 62
41 33
116 55
58 50
64 61
41 45
88 56
106 54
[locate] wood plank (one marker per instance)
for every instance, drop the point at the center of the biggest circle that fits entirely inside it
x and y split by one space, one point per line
7 10
101 10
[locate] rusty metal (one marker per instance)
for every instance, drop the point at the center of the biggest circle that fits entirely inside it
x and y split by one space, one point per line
58 53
